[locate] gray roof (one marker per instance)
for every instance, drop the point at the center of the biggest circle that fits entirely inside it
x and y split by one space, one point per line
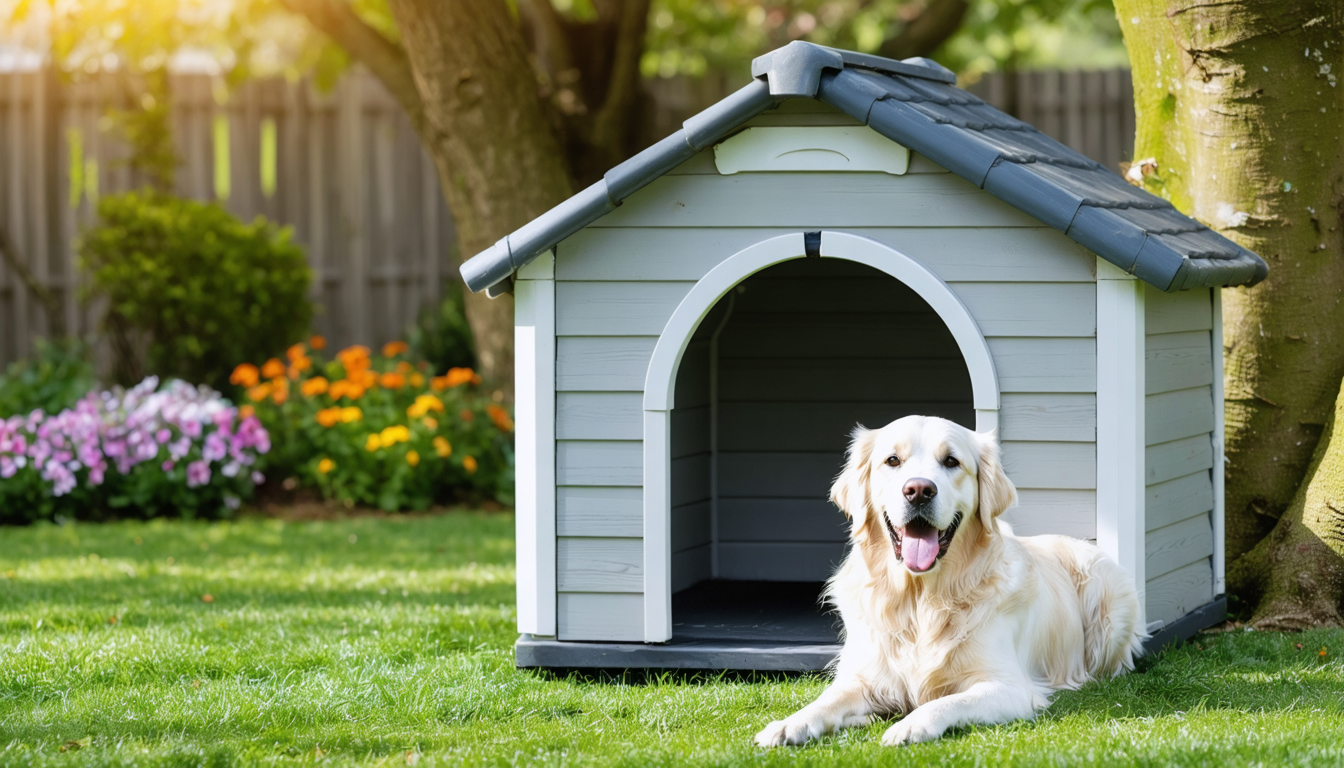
917 104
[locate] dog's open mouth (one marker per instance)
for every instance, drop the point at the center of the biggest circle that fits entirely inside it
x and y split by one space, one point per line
919 545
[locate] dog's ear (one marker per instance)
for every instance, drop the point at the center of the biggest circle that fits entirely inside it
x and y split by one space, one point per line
850 490
997 492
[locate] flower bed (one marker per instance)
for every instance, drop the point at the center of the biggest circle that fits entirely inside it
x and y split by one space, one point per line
381 430
146 451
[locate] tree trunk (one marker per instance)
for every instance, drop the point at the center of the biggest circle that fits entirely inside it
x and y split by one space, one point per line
1238 106
500 164
1296 573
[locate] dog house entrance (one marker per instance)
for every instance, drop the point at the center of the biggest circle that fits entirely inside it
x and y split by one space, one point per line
769 388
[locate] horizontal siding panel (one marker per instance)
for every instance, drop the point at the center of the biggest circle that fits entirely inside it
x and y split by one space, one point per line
1051 465
1045 365
1174 500
1067 513
616 309
842 381
690 525
1177 545
690 479
1178 361
599 416
817 426
781 520
1174 415
606 617
1178 458
1176 312
1031 309
814 201
599 462
1173 595
603 363
1053 416
956 254
599 565
778 475
774 561
690 567
596 511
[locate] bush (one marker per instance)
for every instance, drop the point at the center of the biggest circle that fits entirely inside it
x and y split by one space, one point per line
191 290
381 430
54 379
440 334
143 452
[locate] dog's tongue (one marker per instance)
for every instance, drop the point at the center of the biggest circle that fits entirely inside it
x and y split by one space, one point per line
919 547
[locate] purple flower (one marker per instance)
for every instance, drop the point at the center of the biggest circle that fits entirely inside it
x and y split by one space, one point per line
216 447
96 473
198 474
191 428
7 467
163 436
167 466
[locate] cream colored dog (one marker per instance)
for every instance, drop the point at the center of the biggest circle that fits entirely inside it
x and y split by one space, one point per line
949 618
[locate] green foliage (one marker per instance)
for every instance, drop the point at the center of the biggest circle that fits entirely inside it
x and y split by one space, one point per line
441 336
357 642
199 290
381 430
56 377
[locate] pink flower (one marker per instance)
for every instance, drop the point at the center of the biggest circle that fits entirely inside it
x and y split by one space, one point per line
7 467
198 474
163 436
167 466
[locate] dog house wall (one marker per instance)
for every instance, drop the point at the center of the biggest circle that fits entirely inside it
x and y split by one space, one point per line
1031 290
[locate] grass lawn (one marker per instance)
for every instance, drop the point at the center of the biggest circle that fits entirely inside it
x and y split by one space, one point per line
376 641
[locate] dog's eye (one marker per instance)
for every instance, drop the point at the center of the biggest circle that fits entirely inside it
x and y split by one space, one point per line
951 462
893 461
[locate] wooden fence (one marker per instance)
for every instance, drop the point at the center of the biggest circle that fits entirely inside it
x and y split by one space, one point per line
345 170
342 168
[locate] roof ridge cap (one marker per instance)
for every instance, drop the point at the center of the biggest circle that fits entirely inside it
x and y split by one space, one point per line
795 70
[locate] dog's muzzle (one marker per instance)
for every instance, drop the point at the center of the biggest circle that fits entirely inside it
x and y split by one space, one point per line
919 544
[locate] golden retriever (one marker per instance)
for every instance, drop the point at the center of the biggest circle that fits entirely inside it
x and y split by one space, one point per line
949 618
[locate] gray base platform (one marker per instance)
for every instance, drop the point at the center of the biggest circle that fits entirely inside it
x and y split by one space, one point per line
760 626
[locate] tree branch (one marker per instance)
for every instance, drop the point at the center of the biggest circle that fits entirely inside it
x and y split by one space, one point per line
385 59
939 20
551 43
55 318
623 88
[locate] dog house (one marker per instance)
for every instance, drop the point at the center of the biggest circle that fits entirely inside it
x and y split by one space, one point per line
847 239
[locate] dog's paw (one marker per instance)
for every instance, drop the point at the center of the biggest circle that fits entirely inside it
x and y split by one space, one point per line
790 732
911 729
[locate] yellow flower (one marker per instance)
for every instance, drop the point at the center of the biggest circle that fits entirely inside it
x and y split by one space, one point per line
417 380
469 464
314 386
351 414
442 447
325 465
413 458
424 404
373 443
393 435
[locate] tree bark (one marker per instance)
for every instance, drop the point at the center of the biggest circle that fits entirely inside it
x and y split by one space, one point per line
1296 574
1239 108
922 35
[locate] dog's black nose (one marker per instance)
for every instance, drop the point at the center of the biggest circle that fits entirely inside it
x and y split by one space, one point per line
918 491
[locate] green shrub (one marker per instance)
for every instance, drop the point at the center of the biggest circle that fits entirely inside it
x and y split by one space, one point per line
56 377
440 335
191 290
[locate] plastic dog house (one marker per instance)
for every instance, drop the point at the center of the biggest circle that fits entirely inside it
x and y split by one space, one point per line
846 239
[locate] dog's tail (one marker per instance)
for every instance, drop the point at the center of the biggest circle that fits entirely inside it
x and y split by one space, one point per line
1113 631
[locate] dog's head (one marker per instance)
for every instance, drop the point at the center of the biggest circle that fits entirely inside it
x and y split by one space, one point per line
918 480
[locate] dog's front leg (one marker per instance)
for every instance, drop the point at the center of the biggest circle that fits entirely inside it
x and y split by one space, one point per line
986 703
843 705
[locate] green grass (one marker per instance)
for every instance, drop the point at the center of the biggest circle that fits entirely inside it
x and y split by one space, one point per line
356 642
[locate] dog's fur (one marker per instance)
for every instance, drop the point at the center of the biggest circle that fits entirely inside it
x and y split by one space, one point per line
991 630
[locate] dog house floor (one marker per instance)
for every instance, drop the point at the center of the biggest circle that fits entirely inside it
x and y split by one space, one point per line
744 625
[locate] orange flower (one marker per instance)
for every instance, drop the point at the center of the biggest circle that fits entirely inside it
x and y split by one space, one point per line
392 381
404 367
500 417
314 386
394 348
345 388
294 352
476 378
245 375
413 458
465 414
350 414
367 379
456 377
317 342
247 412
259 392
325 465
328 417
430 422
281 393
469 464
273 369
354 358
442 447
299 366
